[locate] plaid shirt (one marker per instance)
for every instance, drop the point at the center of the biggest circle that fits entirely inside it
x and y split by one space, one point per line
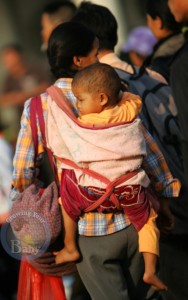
90 224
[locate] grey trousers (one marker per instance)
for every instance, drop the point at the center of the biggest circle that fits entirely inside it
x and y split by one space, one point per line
111 267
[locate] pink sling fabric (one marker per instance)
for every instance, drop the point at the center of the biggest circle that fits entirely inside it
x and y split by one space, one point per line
75 200
93 148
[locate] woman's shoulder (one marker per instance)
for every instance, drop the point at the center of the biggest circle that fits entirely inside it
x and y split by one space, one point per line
26 110
63 84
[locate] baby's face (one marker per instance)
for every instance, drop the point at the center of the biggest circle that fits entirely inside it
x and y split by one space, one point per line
87 103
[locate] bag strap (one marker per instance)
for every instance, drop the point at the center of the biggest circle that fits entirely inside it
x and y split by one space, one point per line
33 123
61 101
36 110
110 184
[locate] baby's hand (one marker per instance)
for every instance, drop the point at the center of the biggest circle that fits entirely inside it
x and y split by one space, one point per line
131 97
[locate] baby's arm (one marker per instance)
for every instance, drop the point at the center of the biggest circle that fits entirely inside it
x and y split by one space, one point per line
131 104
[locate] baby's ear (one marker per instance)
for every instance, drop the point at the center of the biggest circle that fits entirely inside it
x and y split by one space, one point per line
103 99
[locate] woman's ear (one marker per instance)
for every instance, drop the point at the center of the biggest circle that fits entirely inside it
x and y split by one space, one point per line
103 99
77 62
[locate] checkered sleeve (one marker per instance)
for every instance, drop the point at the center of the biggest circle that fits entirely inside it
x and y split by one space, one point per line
157 169
24 170
23 162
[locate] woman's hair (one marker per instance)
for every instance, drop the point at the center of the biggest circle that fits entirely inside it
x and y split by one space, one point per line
98 78
66 41
160 8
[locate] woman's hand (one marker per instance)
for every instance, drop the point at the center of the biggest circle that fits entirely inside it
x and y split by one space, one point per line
165 220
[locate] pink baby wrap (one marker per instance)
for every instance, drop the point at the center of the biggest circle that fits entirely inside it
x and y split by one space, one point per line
70 140
111 150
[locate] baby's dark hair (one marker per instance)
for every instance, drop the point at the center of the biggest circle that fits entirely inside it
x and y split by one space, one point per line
99 78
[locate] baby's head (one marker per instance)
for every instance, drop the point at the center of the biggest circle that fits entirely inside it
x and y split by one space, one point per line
96 87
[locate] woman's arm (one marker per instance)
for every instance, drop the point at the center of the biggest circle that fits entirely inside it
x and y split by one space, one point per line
156 168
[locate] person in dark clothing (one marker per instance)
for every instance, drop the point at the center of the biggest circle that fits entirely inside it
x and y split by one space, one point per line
179 78
168 33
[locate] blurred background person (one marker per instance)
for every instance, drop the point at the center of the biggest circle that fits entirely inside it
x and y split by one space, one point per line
179 77
6 169
103 23
168 34
9 267
52 15
139 46
22 80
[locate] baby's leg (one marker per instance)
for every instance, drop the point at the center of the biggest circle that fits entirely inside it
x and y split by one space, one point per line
149 246
70 251
150 277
